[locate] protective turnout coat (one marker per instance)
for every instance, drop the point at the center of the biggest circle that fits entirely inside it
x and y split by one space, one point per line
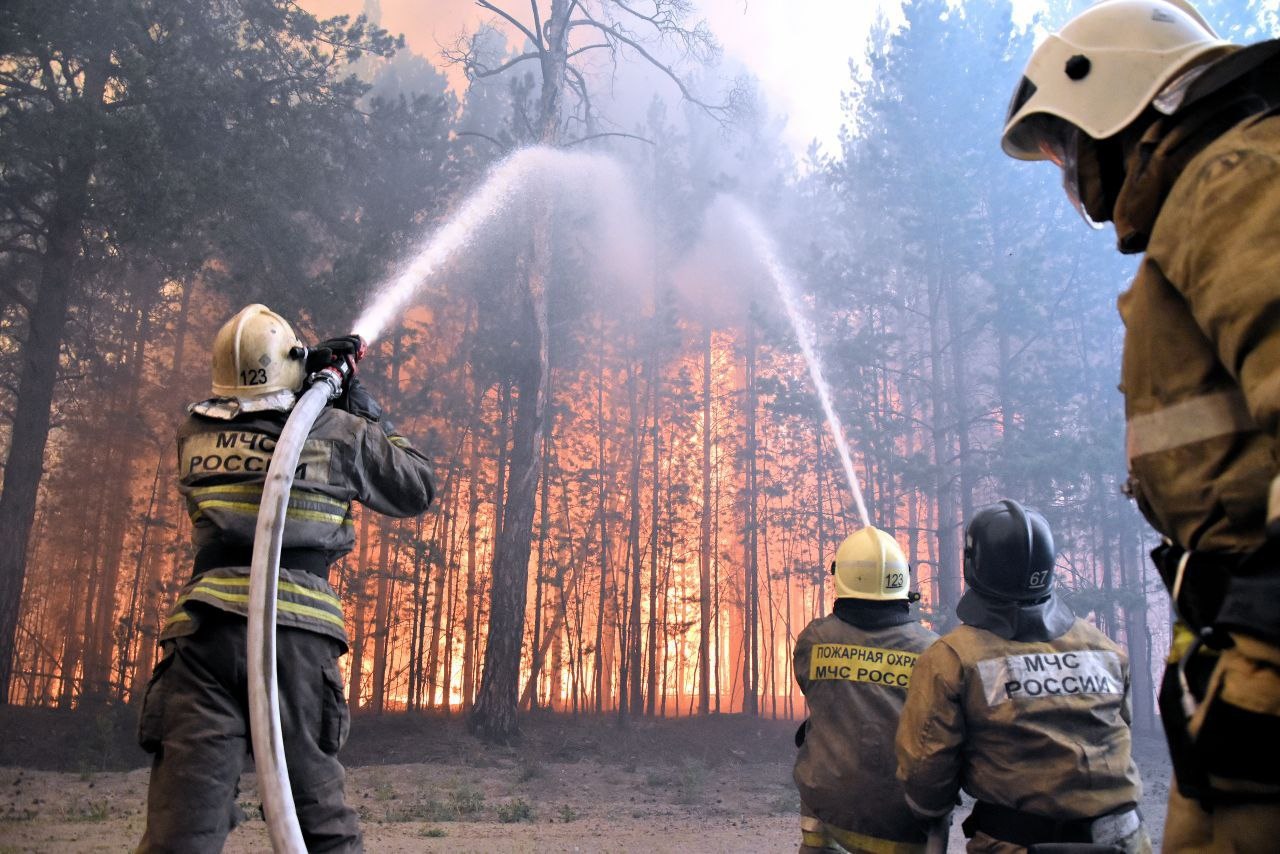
1041 727
222 466
855 680
1201 370
1201 380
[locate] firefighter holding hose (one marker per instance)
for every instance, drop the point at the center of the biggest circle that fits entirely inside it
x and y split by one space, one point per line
1023 705
853 667
195 717
1173 135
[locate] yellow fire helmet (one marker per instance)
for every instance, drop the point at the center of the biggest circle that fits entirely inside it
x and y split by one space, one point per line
870 565
253 355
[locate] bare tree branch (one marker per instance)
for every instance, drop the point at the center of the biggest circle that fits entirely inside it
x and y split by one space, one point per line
579 84
509 18
717 111
483 136
474 71
586 48
537 24
609 133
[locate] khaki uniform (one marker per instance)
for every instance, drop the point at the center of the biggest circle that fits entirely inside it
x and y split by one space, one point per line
195 717
854 680
1038 727
1201 378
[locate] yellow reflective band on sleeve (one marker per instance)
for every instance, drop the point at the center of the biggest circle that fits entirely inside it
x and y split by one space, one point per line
873 844
398 441
891 667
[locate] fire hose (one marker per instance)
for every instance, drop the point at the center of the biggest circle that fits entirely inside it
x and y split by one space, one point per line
264 576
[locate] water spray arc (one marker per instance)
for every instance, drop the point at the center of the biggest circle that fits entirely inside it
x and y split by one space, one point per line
510 182
782 279
537 177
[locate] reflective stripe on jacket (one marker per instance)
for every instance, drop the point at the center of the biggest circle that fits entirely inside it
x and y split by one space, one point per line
854 681
1041 727
222 467
302 601
1201 372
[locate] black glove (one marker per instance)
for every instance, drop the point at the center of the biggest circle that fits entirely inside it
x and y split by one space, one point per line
345 349
356 399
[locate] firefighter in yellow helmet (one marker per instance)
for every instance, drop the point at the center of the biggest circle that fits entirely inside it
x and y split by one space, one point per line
195 716
853 667
1023 705
1172 134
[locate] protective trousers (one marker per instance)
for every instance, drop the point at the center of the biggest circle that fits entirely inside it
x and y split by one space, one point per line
1232 737
195 721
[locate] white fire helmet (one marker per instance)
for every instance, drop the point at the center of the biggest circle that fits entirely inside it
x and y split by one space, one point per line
870 565
1098 74
253 355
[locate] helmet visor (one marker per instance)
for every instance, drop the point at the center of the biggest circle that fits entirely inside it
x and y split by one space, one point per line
1059 141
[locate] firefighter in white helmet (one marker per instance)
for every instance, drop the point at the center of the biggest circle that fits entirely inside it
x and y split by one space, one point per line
1172 134
195 716
853 667
1024 706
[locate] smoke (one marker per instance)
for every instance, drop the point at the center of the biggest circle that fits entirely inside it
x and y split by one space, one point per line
735 263
720 277
589 190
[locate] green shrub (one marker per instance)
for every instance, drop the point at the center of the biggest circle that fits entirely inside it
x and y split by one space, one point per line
517 810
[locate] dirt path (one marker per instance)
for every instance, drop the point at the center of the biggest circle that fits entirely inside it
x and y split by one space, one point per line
667 786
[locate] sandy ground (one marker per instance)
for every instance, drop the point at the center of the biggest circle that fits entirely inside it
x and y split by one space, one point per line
696 785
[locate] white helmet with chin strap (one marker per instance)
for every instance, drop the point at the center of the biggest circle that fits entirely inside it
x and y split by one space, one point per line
1098 74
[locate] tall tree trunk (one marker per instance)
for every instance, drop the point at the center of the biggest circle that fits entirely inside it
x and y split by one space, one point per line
544 523
704 543
494 715
958 345
655 380
357 587
38 372
1136 631
945 569
382 602
601 683
98 676
751 595
471 604
381 610
629 695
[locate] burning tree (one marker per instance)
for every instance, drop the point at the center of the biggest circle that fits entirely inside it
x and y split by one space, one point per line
180 129
561 41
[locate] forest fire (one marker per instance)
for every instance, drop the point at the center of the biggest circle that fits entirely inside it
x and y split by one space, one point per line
647 390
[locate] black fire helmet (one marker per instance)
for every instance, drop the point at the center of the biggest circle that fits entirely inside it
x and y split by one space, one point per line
1008 553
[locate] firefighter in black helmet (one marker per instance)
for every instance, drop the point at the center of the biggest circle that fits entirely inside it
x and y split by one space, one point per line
1023 705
